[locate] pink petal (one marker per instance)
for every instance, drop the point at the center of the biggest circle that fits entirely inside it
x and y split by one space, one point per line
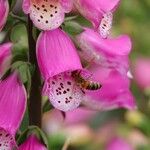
32 143
4 9
97 7
142 72
7 141
26 6
12 103
78 115
63 92
5 57
56 53
67 5
46 15
107 52
114 93
118 144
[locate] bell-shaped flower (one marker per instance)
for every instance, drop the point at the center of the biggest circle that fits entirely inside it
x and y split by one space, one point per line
32 143
118 144
4 9
111 53
115 92
99 12
142 72
12 108
57 58
47 14
5 57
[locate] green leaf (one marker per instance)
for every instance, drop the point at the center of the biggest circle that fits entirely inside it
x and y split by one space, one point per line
36 131
72 27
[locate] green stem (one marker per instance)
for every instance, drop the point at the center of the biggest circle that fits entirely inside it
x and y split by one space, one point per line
35 98
17 17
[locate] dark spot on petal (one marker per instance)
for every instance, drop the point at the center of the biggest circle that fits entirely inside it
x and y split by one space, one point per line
55 12
64 92
43 6
69 83
68 90
46 21
41 16
45 10
53 82
51 6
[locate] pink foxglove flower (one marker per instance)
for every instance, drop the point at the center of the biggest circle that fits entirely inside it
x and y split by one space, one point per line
99 12
118 144
47 14
12 108
114 93
57 58
32 143
5 57
111 53
142 72
4 9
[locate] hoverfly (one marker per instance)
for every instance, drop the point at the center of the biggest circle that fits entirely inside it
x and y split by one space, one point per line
83 83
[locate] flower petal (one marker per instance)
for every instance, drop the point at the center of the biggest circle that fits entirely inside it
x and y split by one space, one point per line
63 92
26 6
5 57
12 103
106 52
32 143
97 7
142 72
7 141
67 5
45 14
114 93
56 53
118 144
4 9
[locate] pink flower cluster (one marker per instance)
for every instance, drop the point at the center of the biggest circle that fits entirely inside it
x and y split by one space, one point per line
58 59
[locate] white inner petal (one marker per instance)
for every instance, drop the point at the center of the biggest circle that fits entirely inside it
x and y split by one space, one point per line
6 140
47 14
106 24
63 93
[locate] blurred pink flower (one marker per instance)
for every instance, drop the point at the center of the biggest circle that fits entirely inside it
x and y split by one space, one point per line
142 72
57 57
99 12
4 9
12 108
79 115
5 57
115 92
47 14
32 143
110 53
118 144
